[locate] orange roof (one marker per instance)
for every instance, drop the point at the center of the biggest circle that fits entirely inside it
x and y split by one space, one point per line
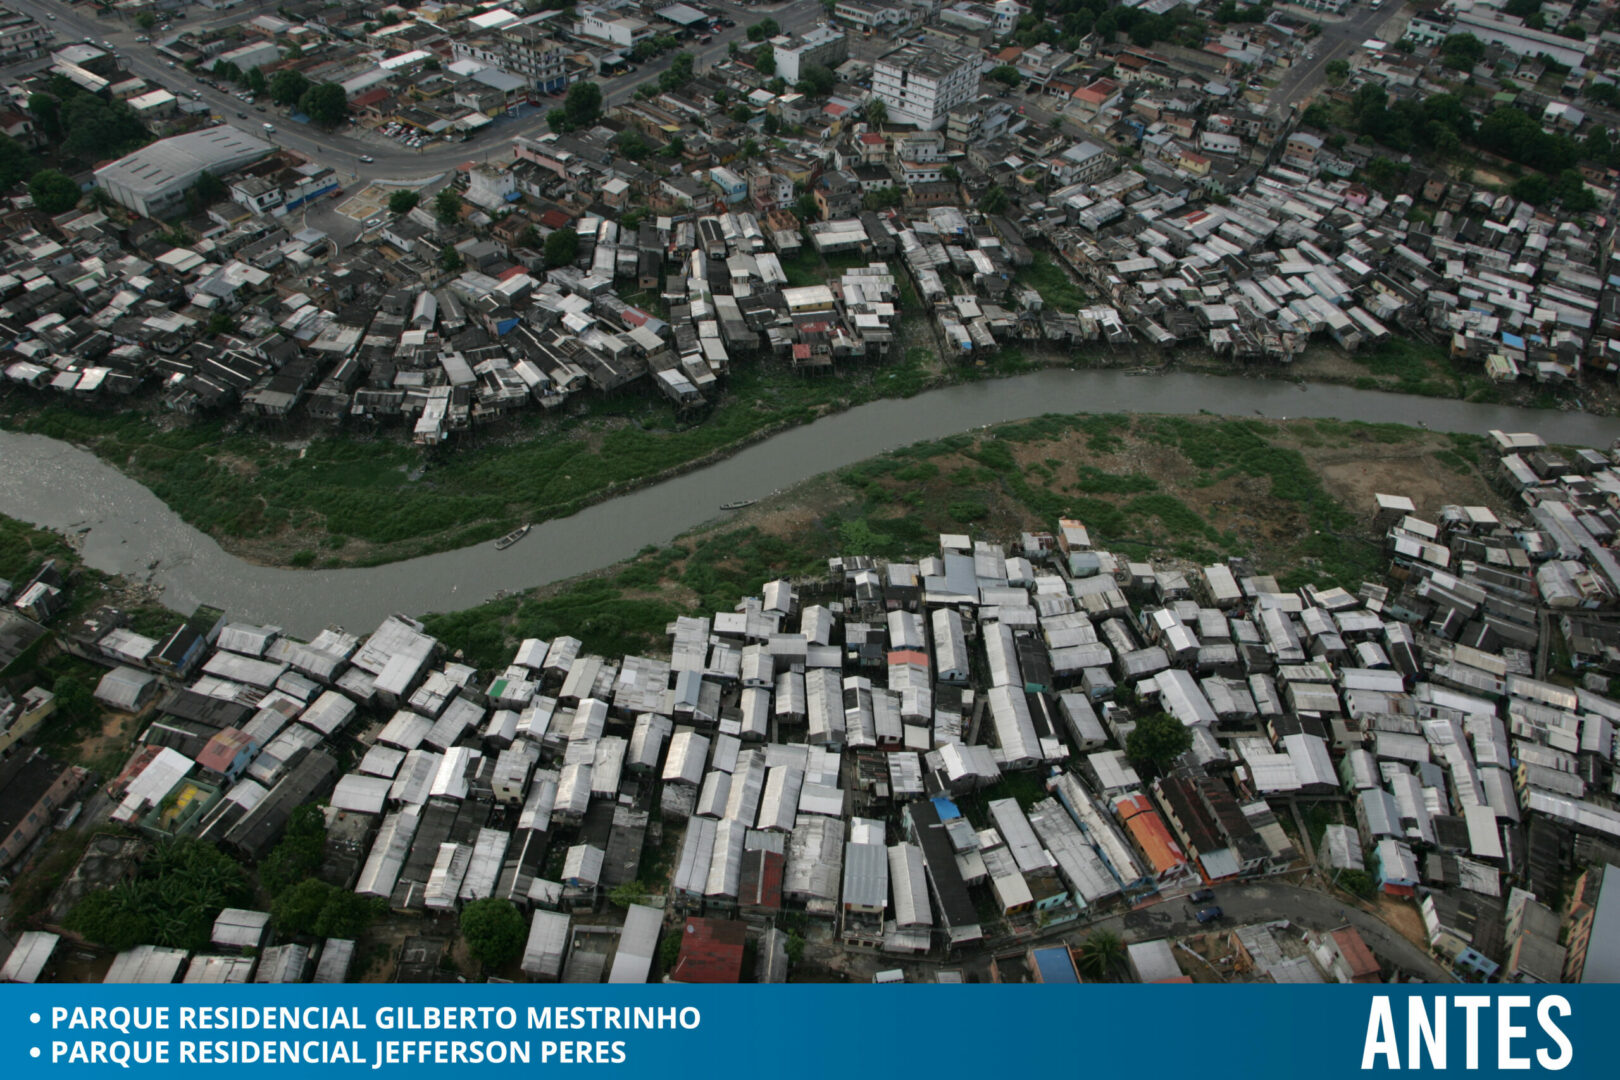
1149 831
1363 965
1010 53
908 656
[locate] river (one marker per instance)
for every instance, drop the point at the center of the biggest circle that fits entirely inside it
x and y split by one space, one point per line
49 483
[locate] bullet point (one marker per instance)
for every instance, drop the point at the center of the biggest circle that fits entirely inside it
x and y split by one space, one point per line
33 1018
33 1052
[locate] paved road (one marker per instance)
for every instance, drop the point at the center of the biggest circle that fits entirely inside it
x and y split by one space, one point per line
1272 901
343 150
1338 40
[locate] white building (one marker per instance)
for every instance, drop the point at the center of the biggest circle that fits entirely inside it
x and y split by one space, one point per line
824 45
153 180
919 84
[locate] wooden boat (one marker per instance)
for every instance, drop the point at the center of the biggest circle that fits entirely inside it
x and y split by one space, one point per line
512 537
738 505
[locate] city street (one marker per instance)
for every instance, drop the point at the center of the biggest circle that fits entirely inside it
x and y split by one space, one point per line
1337 41
343 150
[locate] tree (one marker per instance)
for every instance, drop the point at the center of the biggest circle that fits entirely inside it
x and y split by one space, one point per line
1158 740
209 188
675 147
299 852
741 113
47 110
227 71
631 892
403 202
146 20
287 87
669 951
1006 74
633 146
326 105
447 206
557 120
795 947
74 701
1338 71
777 86
1102 955
530 239
562 247
494 931
219 323
805 208
298 908
1461 52
995 200
450 261
1357 882
583 103
256 82
53 192
15 163
815 80
877 111
765 59
883 199
771 125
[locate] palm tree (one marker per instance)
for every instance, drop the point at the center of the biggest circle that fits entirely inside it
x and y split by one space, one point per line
1102 955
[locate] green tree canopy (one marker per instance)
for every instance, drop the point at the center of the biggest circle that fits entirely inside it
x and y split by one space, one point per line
447 206
53 192
1157 740
1005 74
877 111
450 261
256 82
1102 955
562 247
815 80
209 188
297 855
1461 52
494 931
287 87
403 202
583 103
326 105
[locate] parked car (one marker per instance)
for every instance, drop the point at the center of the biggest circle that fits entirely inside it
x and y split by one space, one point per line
243 115
258 108
366 159
1202 896
1209 914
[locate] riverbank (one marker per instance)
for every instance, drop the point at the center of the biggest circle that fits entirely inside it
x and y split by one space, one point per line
131 531
302 497
1294 498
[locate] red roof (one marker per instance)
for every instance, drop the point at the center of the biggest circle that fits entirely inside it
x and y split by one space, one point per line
1357 957
511 272
370 97
761 880
909 656
222 750
555 219
801 352
711 951
871 138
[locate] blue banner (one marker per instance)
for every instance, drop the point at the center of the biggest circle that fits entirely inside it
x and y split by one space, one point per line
801 1032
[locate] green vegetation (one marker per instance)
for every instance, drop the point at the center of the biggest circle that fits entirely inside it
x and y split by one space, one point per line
1018 476
403 202
298 854
180 889
1358 883
495 931
316 908
1102 956
53 192
80 127
1056 287
1157 741
562 247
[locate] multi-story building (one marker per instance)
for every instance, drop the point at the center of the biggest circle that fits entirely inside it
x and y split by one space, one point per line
920 84
823 45
21 38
